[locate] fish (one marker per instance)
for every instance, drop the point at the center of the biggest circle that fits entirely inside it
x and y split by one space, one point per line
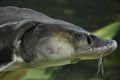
30 39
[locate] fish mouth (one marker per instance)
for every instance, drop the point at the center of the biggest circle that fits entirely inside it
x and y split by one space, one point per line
95 52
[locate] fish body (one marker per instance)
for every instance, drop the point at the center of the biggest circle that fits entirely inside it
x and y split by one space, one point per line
30 39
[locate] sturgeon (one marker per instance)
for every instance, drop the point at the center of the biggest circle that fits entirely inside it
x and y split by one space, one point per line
30 39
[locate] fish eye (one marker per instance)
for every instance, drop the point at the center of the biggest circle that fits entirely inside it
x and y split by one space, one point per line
78 35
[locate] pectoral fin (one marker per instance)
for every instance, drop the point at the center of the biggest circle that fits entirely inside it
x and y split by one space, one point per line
6 57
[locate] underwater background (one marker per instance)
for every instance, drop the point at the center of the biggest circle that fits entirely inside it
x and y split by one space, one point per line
102 17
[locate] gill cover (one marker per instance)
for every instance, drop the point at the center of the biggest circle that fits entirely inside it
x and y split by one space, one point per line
9 52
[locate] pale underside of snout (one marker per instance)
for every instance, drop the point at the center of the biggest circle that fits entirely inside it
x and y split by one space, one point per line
95 52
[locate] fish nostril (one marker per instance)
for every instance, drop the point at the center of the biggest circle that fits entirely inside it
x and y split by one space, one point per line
93 36
89 41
